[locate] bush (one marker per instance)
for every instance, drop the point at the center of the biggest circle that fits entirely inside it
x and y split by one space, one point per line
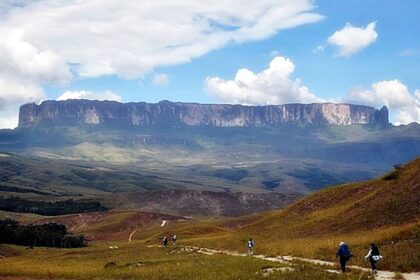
70 206
392 175
48 235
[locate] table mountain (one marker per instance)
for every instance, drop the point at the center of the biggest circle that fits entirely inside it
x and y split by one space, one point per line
174 114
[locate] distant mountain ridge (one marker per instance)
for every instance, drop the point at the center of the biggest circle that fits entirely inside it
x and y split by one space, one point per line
166 113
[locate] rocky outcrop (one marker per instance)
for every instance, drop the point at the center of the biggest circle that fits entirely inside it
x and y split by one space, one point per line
165 113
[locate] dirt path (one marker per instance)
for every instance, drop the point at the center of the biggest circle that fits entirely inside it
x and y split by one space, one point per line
382 275
131 235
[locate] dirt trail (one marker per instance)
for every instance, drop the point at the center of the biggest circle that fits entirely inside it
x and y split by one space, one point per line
131 235
382 275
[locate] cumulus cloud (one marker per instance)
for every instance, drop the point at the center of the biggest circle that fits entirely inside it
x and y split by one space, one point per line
160 79
273 85
350 39
16 92
128 38
85 94
404 107
12 94
24 68
9 117
22 60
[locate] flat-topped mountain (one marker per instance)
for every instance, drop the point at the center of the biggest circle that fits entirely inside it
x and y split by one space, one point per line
166 113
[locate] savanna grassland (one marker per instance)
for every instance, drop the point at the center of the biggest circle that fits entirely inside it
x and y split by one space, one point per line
382 210
138 261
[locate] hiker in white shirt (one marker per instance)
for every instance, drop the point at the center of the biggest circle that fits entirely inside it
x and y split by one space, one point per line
373 256
251 246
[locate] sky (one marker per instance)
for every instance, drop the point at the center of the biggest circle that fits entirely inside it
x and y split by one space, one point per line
233 51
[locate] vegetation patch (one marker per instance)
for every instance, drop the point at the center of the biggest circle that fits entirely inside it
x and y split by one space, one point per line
235 175
4 188
398 276
271 184
392 175
16 204
47 235
315 178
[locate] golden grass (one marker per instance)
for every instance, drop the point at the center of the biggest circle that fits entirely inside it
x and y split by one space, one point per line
137 261
398 244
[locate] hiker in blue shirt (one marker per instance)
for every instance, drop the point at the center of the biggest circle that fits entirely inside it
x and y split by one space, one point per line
344 254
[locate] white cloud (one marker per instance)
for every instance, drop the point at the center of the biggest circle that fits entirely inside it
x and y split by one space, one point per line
404 107
14 93
21 60
273 85
7 6
41 38
408 52
24 68
9 118
130 38
319 48
160 79
84 94
350 39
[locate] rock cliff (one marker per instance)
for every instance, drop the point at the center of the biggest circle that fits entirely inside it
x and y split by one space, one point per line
165 113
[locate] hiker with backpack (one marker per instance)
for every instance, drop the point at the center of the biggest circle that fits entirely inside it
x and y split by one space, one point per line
250 246
373 256
344 254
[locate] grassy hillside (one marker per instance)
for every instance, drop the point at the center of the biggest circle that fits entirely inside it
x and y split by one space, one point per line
390 200
111 226
384 210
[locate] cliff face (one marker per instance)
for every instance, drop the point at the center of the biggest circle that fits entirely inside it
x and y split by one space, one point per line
165 113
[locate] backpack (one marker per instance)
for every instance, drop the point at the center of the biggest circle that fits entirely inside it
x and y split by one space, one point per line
346 252
377 258
375 251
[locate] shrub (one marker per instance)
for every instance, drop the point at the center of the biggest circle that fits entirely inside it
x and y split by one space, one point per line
48 235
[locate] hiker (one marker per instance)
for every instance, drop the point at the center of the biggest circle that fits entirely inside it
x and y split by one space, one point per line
165 241
174 239
344 254
251 246
373 256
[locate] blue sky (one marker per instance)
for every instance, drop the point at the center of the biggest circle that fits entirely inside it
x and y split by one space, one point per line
384 70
